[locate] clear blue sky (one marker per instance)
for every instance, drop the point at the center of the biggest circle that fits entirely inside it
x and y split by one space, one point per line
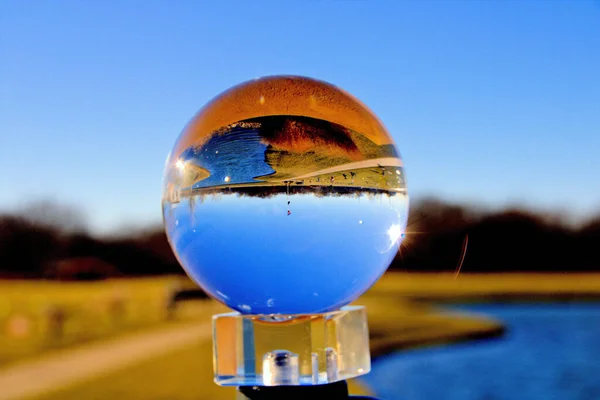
489 101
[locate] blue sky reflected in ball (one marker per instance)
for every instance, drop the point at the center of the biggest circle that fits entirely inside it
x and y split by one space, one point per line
250 254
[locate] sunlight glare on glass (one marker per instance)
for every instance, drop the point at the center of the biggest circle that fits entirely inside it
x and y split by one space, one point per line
394 233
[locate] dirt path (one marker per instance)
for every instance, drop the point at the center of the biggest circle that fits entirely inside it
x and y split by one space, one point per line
55 371
376 162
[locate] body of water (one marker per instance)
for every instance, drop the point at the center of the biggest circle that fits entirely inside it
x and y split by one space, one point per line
238 157
550 351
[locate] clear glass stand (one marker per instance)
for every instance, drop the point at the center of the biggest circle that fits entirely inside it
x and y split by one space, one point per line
290 350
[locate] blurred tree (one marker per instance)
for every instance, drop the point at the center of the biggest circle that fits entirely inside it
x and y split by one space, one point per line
25 247
33 243
63 218
586 251
156 241
516 240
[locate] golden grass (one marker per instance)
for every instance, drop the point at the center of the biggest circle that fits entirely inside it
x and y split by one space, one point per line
37 316
517 286
396 321
182 375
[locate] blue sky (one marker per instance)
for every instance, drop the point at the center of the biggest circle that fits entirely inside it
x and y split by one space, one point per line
495 102
225 229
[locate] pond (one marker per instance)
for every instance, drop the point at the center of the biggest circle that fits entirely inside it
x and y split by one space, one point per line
550 351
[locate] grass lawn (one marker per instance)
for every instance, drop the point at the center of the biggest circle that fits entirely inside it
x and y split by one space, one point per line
38 316
490 287
402 314
182 375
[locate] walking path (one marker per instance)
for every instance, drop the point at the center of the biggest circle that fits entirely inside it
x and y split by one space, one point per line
55 371
374 162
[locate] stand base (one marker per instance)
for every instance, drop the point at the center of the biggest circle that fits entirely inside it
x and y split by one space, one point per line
290 350
332 391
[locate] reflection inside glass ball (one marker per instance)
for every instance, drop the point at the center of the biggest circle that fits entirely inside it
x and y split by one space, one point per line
285 195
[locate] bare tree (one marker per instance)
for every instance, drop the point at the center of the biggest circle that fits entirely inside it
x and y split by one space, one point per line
63 218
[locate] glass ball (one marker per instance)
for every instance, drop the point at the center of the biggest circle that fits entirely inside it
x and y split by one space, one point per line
284 195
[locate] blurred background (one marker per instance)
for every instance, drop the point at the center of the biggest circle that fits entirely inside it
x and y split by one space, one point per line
494 106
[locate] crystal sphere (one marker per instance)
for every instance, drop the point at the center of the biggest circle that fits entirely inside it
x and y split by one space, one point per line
284 195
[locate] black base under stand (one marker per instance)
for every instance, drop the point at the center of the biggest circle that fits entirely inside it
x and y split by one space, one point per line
331 391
